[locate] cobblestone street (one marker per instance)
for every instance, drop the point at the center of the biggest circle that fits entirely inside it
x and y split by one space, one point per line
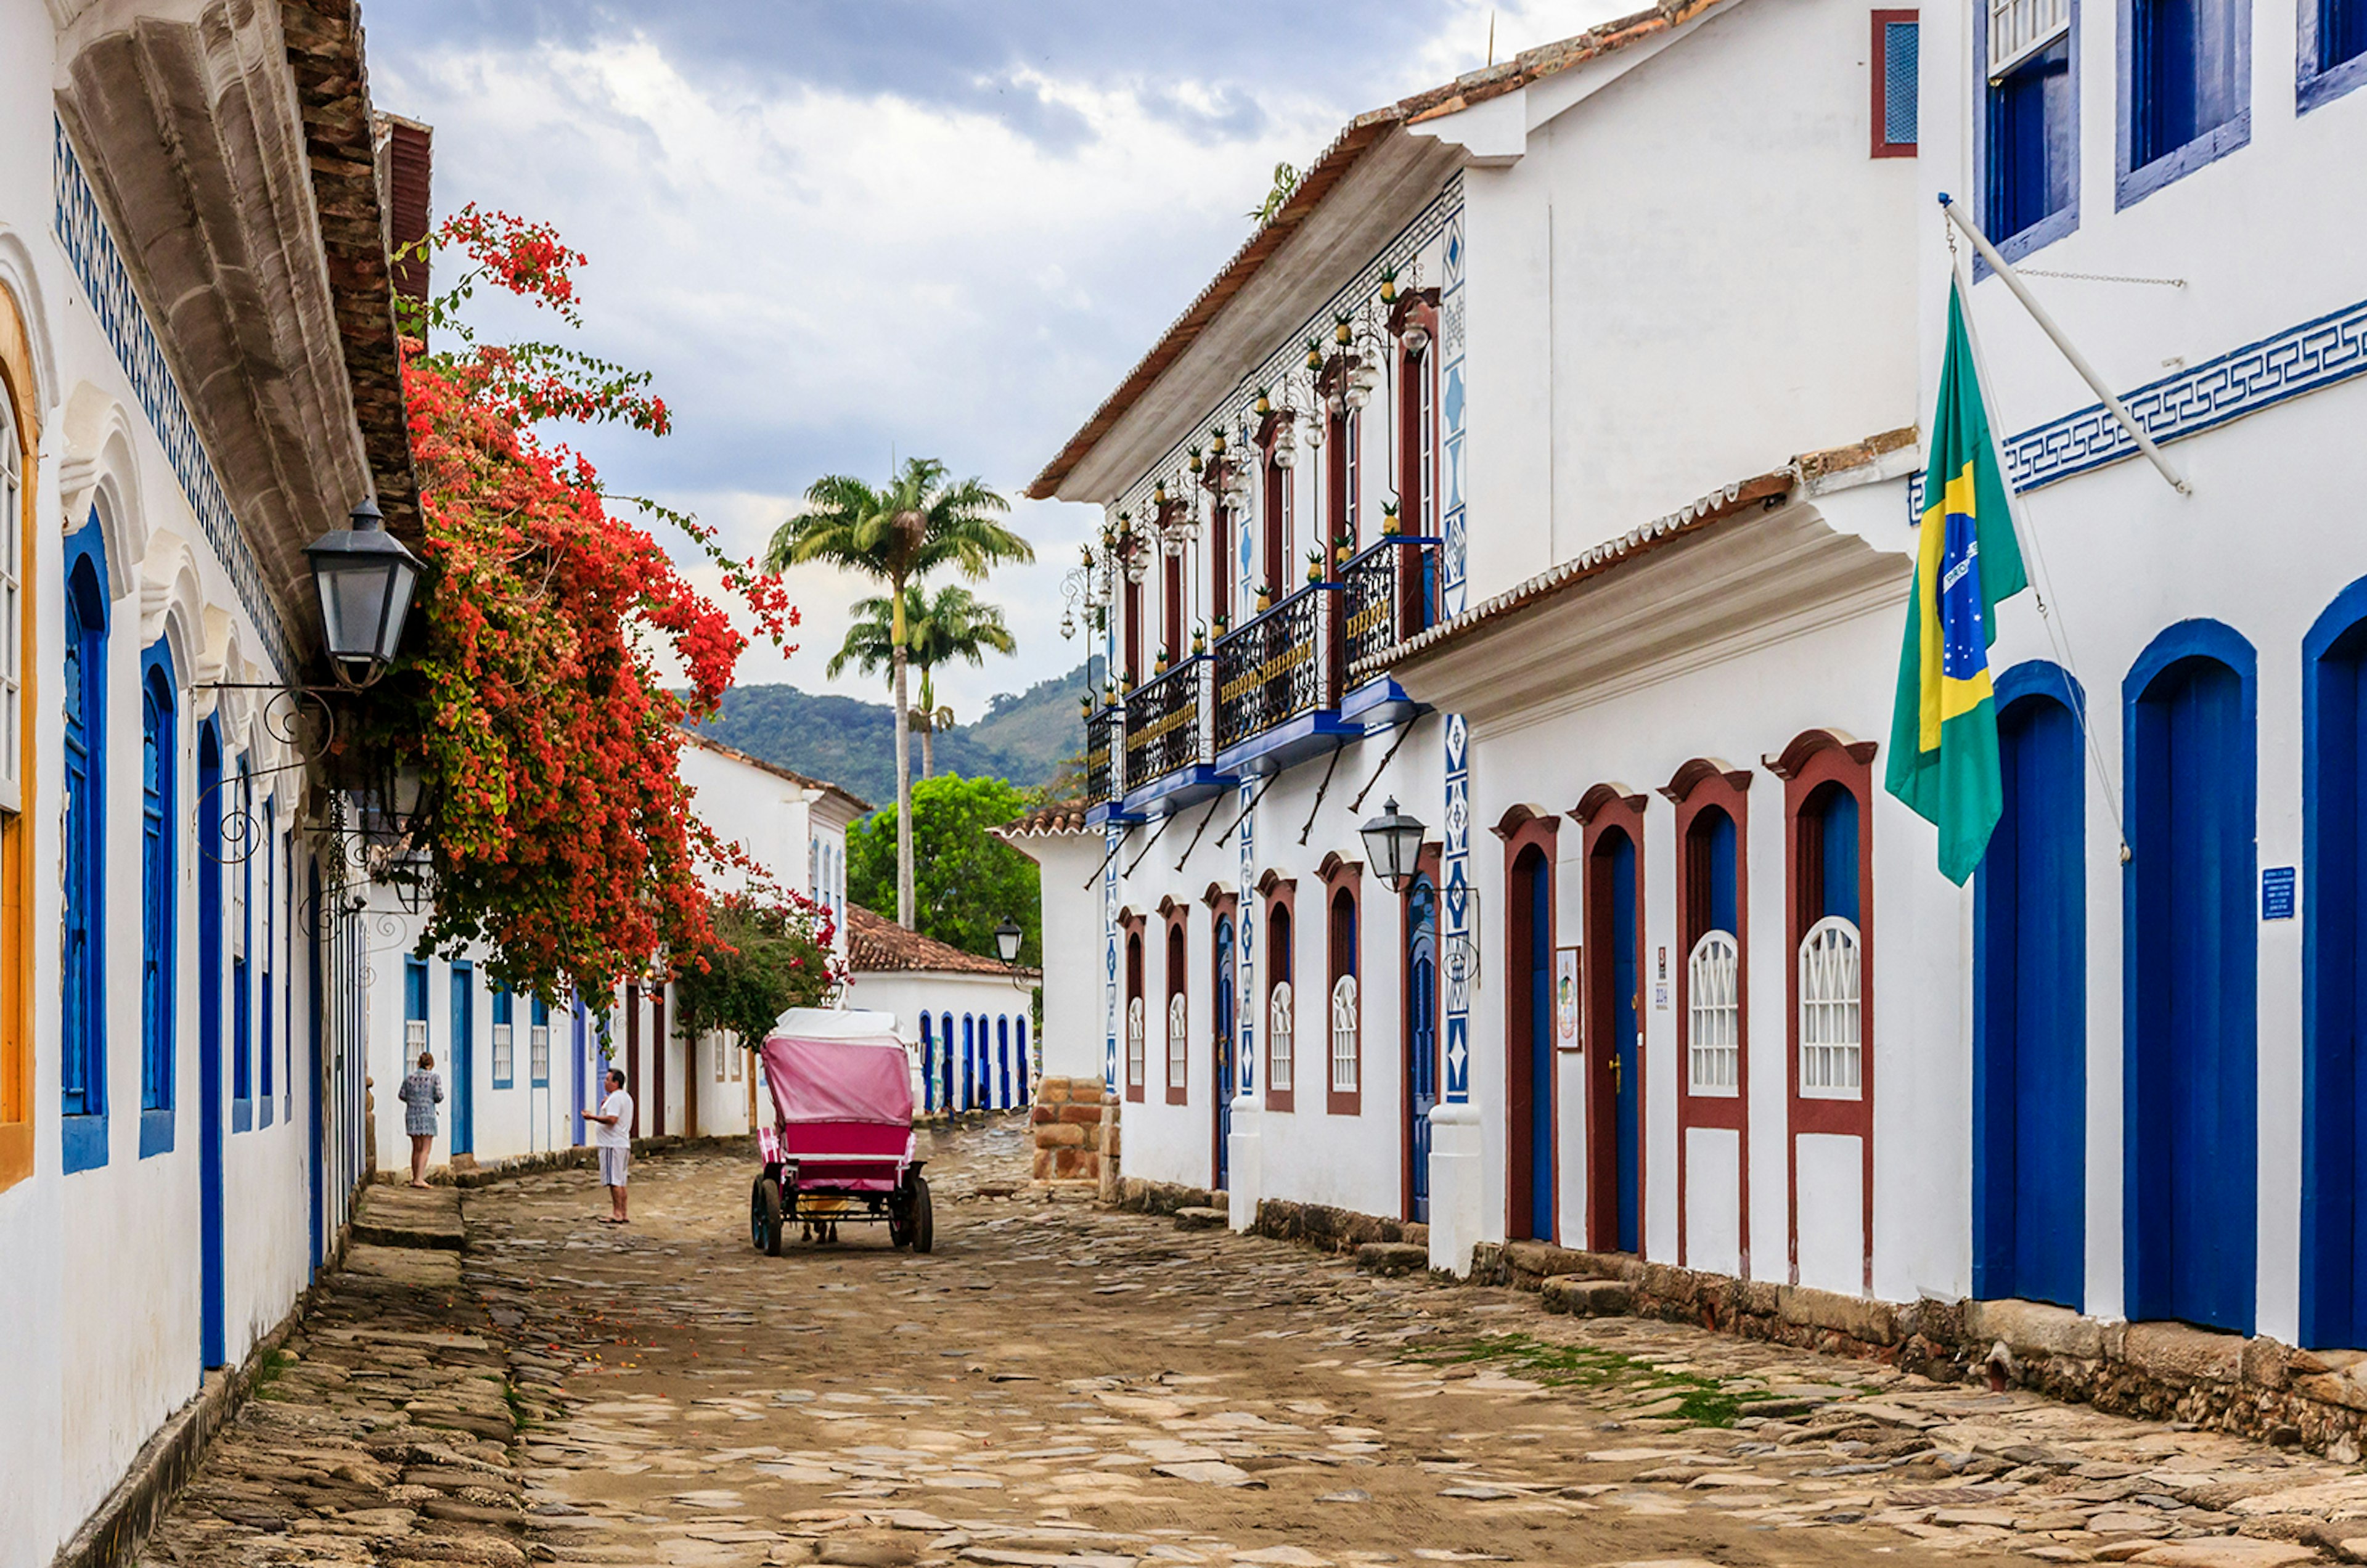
1059 1384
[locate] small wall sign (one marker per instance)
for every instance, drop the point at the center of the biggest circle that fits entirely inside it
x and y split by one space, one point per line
2277 893
1568 1031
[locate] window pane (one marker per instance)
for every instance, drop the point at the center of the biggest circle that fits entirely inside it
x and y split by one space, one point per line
2030 143
1901 44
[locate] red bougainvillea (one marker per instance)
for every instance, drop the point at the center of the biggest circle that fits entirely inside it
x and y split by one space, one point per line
534 709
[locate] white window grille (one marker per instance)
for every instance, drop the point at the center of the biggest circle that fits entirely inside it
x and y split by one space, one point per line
738 1054
1344 1034
538 1051
414 1037
1134 1024
1179 1068
1713 1014
1831 1043
2020 29
722 1059
504 1052
1278 1030
12 628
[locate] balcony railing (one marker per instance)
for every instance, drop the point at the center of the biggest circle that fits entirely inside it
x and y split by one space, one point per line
1283 663
1101 732
1167 723
1392 593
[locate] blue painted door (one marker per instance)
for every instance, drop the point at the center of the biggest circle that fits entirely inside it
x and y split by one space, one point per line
1002 1057
577 1042
464 1059
2030 1017
945 1062
2334 1086
2190 1024
1539 980
1421 1043
1626 1074
1228 978
212 1321
928 1063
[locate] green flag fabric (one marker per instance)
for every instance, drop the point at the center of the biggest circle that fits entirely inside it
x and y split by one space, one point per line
1943 738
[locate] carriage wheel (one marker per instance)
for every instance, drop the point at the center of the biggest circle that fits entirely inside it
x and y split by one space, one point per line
764 1217
924 1223
900 1223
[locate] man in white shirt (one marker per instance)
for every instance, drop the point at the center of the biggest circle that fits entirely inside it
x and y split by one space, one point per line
614 1140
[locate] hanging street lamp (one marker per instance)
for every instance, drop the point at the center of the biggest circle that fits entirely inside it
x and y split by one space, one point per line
365 577
1393 846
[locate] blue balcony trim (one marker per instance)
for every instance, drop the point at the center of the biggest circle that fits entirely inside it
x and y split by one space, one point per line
1288 743
1378 704
156 1131
1173 791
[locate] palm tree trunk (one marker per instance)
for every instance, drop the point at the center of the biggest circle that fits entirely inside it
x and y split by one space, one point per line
928 749
903 771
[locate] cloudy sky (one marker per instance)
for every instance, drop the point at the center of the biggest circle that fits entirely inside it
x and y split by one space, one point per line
842 231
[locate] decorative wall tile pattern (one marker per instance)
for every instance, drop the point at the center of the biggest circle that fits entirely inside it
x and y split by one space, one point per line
90 249
1246 922
1461 908
1112 835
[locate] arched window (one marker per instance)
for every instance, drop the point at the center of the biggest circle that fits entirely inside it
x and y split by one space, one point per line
1179 1015
159 916
1345 1013
1831 1017
1134 1021
1713 1014
928 1064
1281 1032
81 1057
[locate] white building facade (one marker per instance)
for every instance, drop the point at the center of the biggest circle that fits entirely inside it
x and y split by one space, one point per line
968 1019
198 376
1679 978
518 1071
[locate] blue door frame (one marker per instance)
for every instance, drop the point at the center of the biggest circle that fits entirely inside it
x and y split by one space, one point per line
212 1317
945 1063
464 1057
2030 1009
2334 975
1422 1041
2191 975
1530 1178
1228 977
1624 1033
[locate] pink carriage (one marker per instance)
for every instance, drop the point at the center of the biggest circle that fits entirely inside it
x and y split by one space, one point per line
840 1144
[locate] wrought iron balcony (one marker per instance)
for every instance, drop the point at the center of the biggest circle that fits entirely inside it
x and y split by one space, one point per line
1167 728
1101 732
1392 593
1283 664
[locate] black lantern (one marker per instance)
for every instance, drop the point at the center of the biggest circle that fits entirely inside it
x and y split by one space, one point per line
1393 846
1007 940
365 577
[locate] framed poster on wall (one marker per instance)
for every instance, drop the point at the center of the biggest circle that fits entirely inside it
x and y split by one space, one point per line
1568 1033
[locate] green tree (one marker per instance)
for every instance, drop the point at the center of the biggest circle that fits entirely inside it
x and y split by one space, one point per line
768 955
971 882
952 624
920 523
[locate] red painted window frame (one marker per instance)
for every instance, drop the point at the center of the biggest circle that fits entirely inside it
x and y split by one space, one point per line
1281 964
1877 64
1344 879
1133 926
1605 807
1178 973
1522 830
1698 787
1813 760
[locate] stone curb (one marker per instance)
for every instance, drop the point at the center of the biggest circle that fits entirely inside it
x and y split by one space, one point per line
111 1537
2251 1387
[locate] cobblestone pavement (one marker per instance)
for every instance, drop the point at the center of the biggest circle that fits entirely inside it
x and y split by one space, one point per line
1059 1385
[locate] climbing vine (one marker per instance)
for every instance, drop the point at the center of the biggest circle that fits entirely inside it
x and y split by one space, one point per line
771 950
532 706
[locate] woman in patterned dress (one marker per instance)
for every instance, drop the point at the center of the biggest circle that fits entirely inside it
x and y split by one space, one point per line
421 1093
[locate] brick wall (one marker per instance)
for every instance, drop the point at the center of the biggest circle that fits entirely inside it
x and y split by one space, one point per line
1074 1124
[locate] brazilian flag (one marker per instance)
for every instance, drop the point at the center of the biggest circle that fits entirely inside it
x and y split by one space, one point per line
1944 737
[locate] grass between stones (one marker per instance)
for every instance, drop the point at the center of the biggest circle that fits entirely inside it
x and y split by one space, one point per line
274 1364
1700 1401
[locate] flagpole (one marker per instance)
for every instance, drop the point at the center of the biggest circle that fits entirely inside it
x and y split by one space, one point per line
2078 362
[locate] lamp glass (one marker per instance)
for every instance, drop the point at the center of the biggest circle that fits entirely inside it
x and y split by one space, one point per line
1393 845
1007 940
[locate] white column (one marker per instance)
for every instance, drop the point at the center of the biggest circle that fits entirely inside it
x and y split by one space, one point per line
1456 1195
1244 1170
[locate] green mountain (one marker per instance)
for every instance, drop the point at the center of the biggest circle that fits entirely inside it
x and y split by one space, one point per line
1023 737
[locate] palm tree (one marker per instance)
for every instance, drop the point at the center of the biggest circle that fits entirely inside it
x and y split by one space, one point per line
899 534
953 623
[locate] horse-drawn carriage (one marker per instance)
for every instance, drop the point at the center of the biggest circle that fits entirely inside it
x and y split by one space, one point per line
841 1145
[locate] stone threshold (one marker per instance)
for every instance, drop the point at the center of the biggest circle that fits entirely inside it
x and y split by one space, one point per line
2253 1386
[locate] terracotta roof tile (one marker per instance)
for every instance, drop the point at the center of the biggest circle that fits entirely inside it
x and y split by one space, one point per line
1061 816
1330 166
876 944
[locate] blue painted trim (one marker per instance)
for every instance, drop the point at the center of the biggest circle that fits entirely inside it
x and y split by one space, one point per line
1311 734
160 888
2043 677
156 1132
1175 791
2332 1147
242 1115
2132 186
1379 704
2312 85
82 1142
213 1316
2055 225
2212 640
